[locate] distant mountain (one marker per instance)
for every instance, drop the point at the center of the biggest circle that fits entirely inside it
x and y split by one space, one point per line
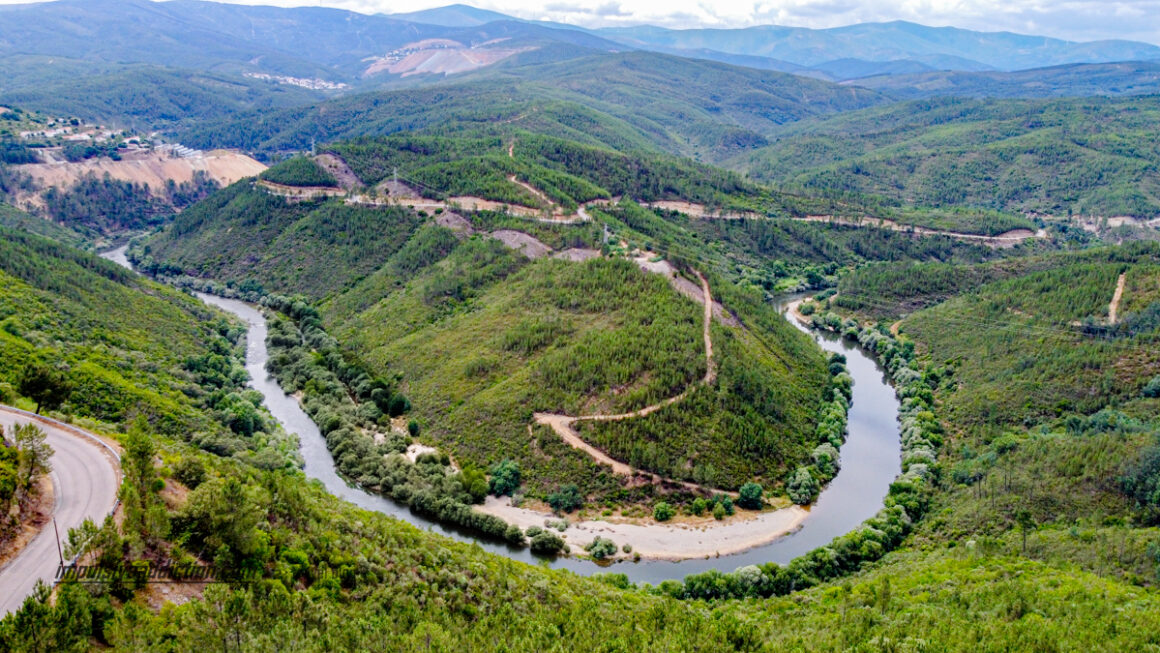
627 101
1073 80
887 42
304 42
452 16
843 69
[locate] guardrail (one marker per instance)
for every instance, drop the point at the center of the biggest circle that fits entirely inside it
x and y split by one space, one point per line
84 434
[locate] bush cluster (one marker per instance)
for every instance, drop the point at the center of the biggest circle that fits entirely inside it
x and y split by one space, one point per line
805 482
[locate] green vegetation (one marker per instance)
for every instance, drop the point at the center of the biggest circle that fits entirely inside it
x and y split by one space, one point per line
1051 451
1061 572
103 205
146 97
80 335
299 171
1037 346
23 460
663 511
313 248
627 101
15 219
568 172
354 409
1089 156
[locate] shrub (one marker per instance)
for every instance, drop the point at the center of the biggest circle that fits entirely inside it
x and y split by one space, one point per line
750 497
505 478
1152 390
698 507
601 548
514 535
1141 481
546 543
474 483
566 499
726 502
663 512
802 486
719 512
190 472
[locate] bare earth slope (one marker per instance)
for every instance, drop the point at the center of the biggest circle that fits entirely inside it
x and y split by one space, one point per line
150 168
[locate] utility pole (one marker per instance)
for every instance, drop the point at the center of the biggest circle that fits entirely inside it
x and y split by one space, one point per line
59 553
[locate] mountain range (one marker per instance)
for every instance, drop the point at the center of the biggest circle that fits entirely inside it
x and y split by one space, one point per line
329 48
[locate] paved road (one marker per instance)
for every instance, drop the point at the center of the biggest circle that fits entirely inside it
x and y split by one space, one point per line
85 477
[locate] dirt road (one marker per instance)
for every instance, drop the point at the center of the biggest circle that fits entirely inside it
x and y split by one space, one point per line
1114 307
564 425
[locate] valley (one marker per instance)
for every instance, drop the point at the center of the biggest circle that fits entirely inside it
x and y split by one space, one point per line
551 329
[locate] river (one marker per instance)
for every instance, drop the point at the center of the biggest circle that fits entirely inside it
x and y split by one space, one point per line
870 459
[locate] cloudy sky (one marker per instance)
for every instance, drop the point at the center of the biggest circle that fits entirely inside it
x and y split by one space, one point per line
1079 20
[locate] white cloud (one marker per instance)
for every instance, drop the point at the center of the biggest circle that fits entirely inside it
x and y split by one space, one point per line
1079 20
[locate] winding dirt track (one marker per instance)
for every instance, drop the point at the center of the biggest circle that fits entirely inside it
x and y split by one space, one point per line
1114 307
85 476
563 425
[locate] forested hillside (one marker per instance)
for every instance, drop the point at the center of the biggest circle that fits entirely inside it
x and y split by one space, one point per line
92 329
538 289
1074 80
147 97
481 336
568 173
639 100
1055 157
1012 555
1046 373
242 233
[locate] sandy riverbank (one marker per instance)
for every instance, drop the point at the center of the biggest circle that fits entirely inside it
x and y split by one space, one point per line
664 541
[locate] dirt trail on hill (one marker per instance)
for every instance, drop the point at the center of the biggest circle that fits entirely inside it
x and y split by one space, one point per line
563 425
339 169
1114 307
1006 239
537 193
300 193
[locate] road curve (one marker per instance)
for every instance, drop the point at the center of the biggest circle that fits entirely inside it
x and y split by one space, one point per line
85 477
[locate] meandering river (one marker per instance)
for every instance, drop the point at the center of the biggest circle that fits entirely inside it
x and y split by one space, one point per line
870 462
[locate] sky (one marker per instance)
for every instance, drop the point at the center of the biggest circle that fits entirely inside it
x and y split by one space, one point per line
1076 20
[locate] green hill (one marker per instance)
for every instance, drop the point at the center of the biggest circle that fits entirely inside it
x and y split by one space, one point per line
147 97
1069 578
482 337
96 324
1057 157
1072 80
681 106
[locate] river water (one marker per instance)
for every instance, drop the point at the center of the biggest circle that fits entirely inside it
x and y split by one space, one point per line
870 459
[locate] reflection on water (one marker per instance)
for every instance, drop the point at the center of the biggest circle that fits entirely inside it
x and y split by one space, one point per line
870 462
